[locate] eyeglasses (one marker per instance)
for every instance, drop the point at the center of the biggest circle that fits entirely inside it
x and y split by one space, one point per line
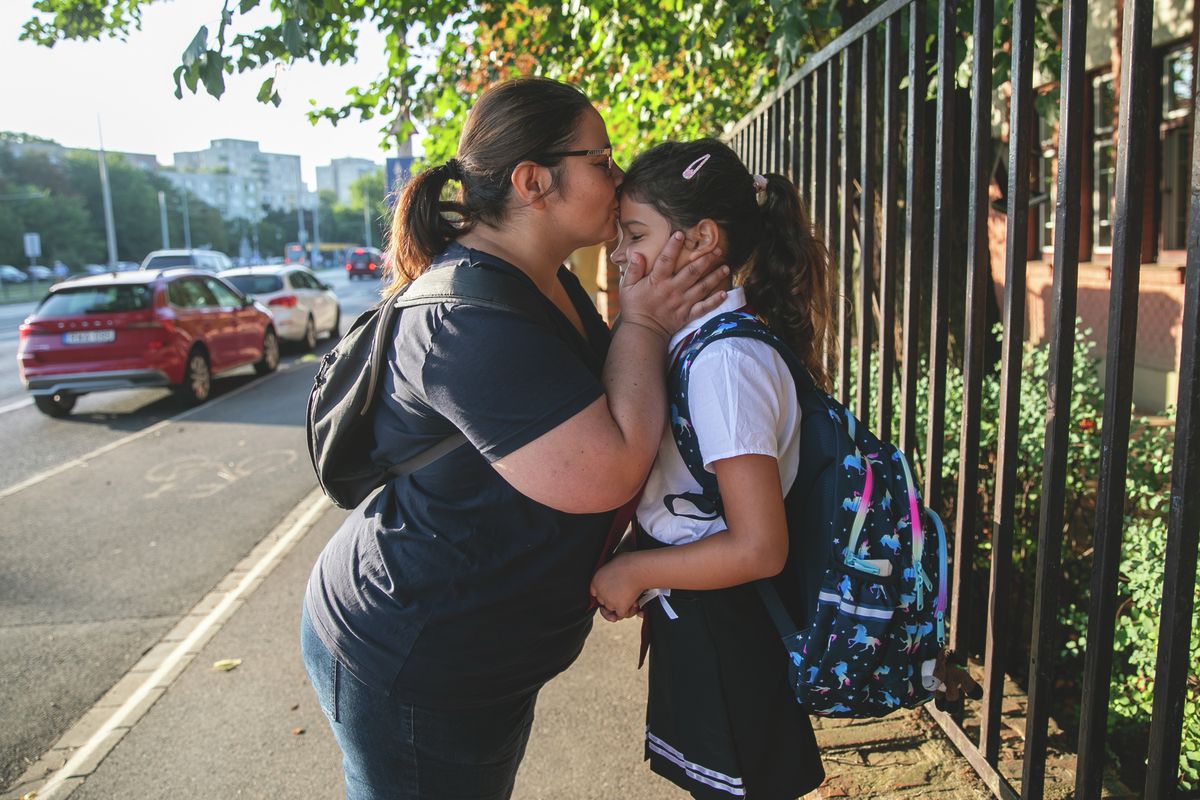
607 152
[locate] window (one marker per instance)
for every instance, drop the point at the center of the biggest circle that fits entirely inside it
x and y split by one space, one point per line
112 299
1104 163
1044 189
1177 83
190 293
1176 146
256 284
225 296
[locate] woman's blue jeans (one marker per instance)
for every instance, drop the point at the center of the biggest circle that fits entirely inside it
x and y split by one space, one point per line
398 751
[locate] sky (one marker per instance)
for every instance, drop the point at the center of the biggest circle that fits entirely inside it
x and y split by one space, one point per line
58 92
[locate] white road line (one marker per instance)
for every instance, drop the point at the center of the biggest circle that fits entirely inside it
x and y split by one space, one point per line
133 437
14 406
310 509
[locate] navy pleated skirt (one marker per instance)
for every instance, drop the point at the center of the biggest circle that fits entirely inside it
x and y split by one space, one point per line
721 720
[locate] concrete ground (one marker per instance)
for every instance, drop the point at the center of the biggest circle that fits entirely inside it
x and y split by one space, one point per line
256 731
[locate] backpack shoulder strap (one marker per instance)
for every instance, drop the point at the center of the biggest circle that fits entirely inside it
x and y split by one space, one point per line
476 284
466 282
739 324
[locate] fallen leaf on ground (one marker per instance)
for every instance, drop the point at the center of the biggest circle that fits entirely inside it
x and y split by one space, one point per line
226 664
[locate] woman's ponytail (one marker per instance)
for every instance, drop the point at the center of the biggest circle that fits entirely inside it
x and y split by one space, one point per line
513 121
789 280
420 229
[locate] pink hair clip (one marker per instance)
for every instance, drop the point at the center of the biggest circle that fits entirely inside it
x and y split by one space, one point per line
760 184
690 171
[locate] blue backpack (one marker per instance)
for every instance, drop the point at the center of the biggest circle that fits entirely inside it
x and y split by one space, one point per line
866 570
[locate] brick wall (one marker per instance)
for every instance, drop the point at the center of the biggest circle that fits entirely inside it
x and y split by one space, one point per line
1160 315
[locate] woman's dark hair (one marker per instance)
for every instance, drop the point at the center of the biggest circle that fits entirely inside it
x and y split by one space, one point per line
513 121
772 247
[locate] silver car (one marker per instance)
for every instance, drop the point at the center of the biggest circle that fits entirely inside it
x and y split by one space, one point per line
303 306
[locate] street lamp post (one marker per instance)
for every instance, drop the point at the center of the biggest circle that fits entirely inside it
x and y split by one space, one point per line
187 227
366 216
110 230
162 220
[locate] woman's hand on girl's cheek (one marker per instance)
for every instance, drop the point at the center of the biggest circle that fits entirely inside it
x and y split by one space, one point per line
616 589
666 299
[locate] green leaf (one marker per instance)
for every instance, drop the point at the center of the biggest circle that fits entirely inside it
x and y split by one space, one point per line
293 40
196 48
266 91
213 74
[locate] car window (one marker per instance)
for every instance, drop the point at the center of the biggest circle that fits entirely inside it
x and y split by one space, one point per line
225 296
97 300
255 284
164 262
190 293
303 280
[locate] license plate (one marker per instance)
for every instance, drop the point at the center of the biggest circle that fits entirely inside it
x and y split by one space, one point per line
89 337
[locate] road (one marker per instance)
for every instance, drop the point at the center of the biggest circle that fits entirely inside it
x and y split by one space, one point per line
118 519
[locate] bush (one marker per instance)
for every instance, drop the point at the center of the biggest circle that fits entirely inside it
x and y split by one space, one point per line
1143 546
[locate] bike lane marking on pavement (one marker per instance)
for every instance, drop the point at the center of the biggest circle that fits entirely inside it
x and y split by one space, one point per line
86 758
99 451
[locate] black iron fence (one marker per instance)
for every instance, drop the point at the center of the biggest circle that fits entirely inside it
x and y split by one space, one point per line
845 128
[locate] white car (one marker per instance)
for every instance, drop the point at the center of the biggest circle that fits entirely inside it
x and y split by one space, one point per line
303 306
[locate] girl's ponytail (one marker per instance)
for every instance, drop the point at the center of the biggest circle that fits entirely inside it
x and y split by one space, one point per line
789 281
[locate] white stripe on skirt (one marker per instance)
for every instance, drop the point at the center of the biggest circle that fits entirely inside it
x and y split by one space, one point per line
709 777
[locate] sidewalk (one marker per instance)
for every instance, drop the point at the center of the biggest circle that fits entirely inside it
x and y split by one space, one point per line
256 731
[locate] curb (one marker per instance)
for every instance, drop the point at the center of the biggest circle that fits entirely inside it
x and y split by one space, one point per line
79 751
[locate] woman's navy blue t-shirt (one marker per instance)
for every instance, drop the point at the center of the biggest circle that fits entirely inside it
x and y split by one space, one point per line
448 587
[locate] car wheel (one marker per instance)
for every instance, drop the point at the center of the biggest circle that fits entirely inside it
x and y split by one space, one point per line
270 353
309 341
54 405
197 379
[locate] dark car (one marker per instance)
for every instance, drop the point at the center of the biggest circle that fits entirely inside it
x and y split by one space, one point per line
364 262
124 330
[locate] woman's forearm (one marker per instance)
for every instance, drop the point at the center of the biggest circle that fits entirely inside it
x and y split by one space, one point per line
634 385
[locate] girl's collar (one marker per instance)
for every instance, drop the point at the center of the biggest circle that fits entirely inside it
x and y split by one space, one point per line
734 299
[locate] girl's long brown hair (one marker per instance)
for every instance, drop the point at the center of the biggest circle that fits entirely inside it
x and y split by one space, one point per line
773 248
514 121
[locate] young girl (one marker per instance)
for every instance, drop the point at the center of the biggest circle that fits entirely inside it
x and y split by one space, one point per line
721 719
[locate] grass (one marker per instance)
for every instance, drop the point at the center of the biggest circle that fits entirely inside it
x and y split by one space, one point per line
22 292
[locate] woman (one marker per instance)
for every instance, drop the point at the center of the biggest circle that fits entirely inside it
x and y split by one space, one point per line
440 608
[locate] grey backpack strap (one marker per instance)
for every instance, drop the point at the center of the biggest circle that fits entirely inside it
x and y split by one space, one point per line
424 459
466 282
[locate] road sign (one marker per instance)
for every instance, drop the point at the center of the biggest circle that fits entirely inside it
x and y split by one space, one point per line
33 245
399 170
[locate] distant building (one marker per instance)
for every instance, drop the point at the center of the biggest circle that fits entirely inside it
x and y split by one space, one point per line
240 179
55 152
234 195
341 173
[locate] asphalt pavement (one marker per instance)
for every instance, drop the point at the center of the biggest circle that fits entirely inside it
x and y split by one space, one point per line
256 731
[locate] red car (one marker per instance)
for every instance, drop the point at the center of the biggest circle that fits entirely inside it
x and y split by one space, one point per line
123 330
364 262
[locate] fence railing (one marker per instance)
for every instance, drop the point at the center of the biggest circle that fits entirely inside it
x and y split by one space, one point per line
834 128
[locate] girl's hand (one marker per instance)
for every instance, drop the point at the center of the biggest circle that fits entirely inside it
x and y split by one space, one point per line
616 589
663 299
